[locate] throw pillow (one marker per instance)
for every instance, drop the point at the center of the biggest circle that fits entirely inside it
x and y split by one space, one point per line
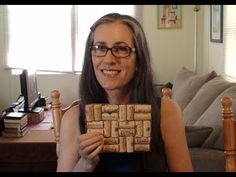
213 117
196 135
186 85
203 99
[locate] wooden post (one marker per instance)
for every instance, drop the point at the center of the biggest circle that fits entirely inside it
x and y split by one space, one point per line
166 92
57 115
229 133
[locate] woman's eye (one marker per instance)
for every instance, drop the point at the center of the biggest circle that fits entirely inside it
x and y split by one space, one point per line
120 49
101 47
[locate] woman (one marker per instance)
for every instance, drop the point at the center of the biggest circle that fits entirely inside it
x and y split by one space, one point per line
117 70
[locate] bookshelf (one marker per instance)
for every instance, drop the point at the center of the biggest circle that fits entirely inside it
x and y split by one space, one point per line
36 151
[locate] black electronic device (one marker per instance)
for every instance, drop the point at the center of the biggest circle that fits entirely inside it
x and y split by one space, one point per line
29 90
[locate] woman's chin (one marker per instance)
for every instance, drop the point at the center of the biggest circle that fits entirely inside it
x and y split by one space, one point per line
110 88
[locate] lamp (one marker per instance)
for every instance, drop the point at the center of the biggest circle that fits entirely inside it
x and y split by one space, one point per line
196 8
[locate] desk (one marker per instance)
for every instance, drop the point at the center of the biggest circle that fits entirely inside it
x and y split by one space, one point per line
36 151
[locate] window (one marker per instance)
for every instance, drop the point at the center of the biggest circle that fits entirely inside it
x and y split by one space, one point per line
39 37
230 39
52 37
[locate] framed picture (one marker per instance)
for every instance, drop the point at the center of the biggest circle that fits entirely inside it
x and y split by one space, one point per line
169 16
216 23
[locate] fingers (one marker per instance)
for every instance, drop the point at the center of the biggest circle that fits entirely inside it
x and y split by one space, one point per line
94 154
90 144
86 136
85 141
87 150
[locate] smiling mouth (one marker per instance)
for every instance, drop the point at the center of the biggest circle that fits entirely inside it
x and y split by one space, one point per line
110 73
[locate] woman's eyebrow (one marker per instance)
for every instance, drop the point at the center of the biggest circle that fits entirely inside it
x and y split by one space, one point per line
116 43
120 43
100 42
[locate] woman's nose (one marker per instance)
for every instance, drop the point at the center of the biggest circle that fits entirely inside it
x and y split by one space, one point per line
109 57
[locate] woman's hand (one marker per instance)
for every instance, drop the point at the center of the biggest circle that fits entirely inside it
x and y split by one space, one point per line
90 145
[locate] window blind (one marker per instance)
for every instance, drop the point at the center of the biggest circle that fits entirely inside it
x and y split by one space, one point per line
230 40
52 37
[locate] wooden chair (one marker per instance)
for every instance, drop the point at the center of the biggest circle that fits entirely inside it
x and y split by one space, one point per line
229 128
58 112
166 92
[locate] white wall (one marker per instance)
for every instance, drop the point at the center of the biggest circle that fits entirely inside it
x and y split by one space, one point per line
67 84
170 50
5 84
216 52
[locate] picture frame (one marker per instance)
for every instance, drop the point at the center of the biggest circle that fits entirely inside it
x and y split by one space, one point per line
169 16
216 23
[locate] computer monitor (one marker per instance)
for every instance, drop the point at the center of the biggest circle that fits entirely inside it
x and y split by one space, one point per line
28 83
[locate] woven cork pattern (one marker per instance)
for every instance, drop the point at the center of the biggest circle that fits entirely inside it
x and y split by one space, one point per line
126 128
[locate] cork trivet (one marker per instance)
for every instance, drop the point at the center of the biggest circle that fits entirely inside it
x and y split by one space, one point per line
126 128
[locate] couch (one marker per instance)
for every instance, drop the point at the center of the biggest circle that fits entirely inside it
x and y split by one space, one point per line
199 98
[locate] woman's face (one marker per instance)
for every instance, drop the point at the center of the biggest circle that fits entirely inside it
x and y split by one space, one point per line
114 72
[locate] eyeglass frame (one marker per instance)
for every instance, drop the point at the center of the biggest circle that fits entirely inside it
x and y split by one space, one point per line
131 49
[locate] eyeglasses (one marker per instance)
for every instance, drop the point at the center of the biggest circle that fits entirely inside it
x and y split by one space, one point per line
117 51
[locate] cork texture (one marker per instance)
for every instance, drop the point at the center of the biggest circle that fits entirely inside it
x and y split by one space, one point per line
126 128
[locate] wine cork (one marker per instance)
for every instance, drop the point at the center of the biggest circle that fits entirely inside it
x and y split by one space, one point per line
126 132
130 112
122 112
111 148
130 144
89 112
110 116
141 147
139 128
146 128
95 131
142 140
110 108
95 125
110 141
98 112
107 128
141 108
114 128
142 116
127 124
122 144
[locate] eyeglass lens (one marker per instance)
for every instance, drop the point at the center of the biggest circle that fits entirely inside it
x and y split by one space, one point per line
117 51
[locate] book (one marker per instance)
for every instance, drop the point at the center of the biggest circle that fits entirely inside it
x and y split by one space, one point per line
14 125
15 130
15 135
16 117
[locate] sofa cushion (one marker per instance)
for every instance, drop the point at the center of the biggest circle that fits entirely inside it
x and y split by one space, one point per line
203 99
186 85
207 160
213 117
196 135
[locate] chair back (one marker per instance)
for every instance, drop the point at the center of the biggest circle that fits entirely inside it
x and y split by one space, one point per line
166 92
58 112
229 128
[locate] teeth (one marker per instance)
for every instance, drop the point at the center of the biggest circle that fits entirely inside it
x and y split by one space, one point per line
110 73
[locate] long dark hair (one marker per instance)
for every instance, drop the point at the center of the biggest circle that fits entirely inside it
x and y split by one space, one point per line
143 89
